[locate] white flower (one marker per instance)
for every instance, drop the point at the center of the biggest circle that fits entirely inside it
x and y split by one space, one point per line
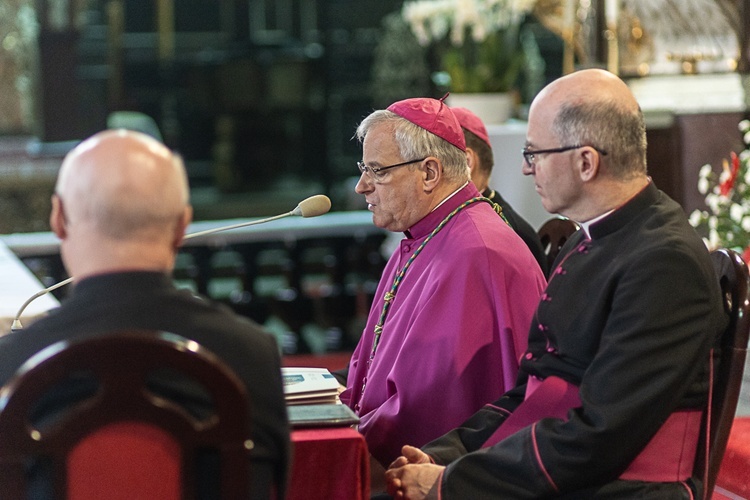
726 222
429 19
736 212
465 17
705 171
703 185
724 175
433 20
696 217
713 201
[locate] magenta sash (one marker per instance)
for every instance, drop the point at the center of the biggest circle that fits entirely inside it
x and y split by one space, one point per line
668 457
550 398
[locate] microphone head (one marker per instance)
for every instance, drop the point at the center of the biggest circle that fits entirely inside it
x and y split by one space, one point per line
313 206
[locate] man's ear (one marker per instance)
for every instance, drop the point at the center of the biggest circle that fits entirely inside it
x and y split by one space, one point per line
588 163
181 227
471 159
57 218
433 173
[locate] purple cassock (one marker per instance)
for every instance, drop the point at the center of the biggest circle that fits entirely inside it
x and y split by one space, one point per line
454 332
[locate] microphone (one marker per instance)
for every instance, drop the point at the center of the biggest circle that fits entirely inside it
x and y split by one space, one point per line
309 207
313 206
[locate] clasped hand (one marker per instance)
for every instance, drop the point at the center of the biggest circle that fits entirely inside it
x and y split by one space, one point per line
413 476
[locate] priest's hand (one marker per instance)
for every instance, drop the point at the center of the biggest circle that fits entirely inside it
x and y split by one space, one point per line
414 481
410 455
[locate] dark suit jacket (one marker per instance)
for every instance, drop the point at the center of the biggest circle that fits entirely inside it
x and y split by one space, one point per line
628 316
148 300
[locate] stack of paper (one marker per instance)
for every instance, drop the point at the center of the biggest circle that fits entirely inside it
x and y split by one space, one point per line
305 386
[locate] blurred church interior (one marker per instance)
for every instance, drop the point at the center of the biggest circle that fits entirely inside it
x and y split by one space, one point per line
262 97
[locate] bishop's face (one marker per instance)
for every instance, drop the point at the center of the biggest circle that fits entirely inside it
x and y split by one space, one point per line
393 195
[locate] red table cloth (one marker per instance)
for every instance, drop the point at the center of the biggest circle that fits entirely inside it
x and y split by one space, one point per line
329 464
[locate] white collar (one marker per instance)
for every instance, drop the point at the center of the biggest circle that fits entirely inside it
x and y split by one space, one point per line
586 225
450 196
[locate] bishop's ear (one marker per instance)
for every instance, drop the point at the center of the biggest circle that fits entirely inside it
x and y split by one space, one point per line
433 173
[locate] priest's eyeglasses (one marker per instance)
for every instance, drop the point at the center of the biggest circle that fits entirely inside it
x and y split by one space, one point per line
530 156
374 171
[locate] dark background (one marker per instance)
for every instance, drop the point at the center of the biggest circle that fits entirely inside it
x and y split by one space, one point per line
259 97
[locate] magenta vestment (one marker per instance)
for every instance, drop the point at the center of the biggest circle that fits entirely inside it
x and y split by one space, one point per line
454 333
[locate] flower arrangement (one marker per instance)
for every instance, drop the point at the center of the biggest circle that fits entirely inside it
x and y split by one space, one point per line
475 41
726 223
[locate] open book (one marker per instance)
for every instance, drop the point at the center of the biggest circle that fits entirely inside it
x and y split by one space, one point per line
304 386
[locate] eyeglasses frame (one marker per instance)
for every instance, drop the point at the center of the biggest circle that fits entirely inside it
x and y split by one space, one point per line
530 162
371 171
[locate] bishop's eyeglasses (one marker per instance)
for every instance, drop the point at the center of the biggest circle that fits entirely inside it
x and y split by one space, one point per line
374 171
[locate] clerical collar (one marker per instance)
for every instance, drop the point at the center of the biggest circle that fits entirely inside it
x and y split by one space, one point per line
410 233
450 196
586 225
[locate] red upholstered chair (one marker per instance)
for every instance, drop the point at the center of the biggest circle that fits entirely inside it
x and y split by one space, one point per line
553 235
728 364
733 475
123 438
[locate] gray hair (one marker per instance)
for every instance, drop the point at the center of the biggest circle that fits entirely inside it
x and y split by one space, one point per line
608 127
415 142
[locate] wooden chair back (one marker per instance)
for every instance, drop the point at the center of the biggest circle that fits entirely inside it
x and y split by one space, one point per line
553 234
130 431
728 362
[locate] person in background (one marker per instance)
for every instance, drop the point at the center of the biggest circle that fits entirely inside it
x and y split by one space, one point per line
450 316
610 392
481 160
120 208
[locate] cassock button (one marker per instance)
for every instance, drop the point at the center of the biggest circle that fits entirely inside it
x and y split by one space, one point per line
529 355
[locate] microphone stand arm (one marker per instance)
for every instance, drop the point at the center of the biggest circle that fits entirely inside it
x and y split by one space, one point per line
235 226
17 320
310 207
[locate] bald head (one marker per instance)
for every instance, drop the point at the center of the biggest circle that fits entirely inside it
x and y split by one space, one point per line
122 193
122 183
590 85
595 107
